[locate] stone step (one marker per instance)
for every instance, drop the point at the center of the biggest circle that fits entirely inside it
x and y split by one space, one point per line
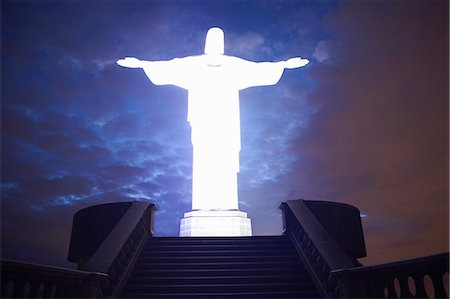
217 240
218 265
219 252
208 280
217 259
173 246
152 272
228 295
217 287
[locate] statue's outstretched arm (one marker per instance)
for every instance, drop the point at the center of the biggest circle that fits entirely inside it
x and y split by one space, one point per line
265 73
132 62
165 72
294 63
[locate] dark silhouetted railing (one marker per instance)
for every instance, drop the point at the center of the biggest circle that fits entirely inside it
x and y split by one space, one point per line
102 275
26 280
319 251
425 277
338 274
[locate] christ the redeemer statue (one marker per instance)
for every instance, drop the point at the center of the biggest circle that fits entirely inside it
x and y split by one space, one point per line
213 81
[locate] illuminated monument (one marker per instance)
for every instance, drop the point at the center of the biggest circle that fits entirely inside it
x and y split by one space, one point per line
213 81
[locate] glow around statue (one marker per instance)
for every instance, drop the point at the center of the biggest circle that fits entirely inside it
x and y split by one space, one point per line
213 81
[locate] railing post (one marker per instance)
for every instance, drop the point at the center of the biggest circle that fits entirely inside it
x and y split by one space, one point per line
404 287
420 286
59 292
94 286
19 287
438 284
9 289
48 288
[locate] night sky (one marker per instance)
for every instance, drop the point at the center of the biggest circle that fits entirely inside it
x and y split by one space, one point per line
365 123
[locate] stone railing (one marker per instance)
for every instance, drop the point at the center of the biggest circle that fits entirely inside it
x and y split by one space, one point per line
26 280
337 273
118 253
102 275
318 250
425 277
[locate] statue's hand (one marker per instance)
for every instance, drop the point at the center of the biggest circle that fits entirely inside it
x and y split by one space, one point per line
130 62
295 62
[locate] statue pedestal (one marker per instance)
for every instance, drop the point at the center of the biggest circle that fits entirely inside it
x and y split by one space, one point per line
215 223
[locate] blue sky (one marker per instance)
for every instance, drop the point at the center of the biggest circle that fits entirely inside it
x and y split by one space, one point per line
365 123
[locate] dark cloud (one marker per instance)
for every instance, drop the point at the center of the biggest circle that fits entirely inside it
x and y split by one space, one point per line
59 186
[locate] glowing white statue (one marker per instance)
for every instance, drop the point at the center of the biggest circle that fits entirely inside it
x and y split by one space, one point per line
213 81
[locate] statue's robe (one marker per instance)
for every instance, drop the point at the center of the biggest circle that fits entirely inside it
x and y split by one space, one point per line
213 113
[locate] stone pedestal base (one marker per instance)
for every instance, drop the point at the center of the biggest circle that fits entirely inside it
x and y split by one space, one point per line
215 223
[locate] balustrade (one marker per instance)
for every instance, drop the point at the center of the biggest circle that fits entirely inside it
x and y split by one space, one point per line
103 275
27 280
338 275
425 277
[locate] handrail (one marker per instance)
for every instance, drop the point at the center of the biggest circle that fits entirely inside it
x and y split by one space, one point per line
29 280
319 251
404 279
118 253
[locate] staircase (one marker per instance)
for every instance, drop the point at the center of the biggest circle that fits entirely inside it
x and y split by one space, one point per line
219 267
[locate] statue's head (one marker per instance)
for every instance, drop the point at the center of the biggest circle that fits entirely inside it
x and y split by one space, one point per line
214 44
